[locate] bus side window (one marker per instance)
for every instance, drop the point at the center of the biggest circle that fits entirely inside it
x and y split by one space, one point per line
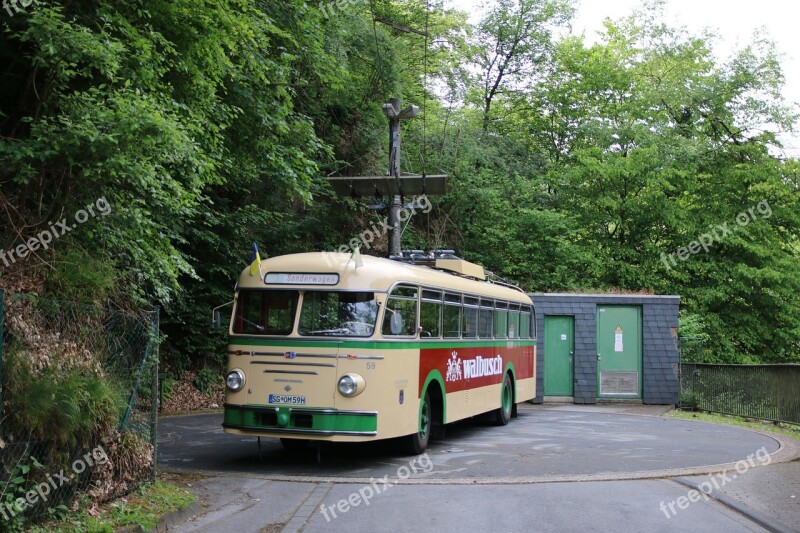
430 314
513 321
485 330
400 316
501 320
525 324
470 317
452 316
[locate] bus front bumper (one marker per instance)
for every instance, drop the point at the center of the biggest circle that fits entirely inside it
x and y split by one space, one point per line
300 421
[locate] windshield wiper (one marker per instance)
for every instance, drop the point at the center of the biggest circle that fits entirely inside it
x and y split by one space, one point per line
259 327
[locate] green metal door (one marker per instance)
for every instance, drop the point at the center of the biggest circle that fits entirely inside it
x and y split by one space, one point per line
619 351
559 347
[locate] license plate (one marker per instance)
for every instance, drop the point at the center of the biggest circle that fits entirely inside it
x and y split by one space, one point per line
287 399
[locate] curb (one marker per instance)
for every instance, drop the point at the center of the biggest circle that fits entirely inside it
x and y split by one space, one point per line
758 517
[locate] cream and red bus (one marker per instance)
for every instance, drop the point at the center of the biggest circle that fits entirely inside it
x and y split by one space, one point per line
325 348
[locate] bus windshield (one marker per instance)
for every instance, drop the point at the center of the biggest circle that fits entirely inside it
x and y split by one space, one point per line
338 314
265 312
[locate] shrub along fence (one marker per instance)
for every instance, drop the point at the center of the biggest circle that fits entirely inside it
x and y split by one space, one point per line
767 392
78 405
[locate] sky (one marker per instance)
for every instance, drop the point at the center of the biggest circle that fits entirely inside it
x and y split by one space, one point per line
733 20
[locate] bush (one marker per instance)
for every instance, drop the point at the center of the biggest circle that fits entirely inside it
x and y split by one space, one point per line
81 277
206 379
65 407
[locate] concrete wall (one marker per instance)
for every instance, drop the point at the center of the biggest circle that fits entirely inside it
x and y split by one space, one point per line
660 353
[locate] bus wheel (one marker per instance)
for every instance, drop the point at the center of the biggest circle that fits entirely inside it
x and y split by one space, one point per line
295 445
417 442
503 414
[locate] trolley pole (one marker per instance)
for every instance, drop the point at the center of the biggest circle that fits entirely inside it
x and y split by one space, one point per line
394 184
395 115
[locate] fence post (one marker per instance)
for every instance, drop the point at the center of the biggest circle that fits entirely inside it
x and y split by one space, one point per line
154 393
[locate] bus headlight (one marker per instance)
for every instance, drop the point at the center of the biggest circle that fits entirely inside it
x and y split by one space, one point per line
351 385
235 380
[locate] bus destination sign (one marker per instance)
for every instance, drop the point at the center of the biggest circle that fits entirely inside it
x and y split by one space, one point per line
292 278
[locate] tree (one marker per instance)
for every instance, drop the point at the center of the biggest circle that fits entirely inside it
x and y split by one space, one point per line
512 45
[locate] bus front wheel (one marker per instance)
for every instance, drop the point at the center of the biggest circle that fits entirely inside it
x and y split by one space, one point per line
417 442
503 414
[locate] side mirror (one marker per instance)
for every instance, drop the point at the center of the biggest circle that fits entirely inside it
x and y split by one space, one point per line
216 318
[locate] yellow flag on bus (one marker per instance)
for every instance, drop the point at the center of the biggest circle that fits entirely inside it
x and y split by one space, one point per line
255 262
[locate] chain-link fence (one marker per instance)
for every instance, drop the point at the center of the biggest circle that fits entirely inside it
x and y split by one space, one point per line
79 404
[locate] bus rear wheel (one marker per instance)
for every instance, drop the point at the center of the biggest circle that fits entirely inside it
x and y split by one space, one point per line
417 442
503 414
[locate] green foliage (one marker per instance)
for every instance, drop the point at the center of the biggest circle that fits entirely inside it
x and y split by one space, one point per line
206 378
140 510
80 277
209 126
65 407
167 385
18 485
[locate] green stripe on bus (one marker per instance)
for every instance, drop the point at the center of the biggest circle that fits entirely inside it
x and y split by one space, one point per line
379 345
340 421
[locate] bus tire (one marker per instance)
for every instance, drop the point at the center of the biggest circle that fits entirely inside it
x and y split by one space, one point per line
417 442
295 445
503 414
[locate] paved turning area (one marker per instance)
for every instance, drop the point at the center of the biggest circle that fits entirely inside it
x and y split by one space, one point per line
553 468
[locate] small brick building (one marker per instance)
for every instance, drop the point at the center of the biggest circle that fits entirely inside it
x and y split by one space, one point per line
607 347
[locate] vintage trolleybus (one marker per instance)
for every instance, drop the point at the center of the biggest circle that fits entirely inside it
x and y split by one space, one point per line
322 349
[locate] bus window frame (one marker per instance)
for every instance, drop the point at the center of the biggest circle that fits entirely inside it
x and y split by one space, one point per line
452 303
427 299
501 307
297 304
514 307
534 326
328 289
389 296
486 306
472 304
526 310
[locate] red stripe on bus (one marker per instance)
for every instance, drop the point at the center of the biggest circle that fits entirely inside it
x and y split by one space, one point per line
470 368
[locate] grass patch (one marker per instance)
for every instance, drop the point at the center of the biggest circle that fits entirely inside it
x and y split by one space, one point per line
789 430
141 509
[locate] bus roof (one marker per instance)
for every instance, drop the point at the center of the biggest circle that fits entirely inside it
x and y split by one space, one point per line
338 271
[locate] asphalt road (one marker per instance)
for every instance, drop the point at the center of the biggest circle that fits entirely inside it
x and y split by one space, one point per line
539 444
549 470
